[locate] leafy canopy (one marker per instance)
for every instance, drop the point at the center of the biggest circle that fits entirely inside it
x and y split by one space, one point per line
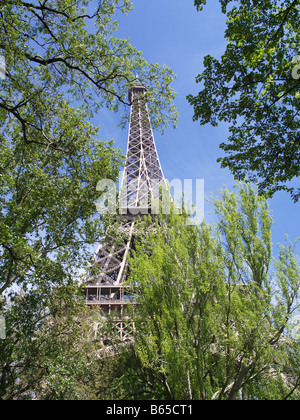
214 315
255 88
65 66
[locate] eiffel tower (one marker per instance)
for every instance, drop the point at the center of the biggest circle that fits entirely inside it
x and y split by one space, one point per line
142 179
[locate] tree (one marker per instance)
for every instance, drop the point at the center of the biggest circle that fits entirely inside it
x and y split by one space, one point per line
60 73
47 356
59 350
63 67
214 315
255 88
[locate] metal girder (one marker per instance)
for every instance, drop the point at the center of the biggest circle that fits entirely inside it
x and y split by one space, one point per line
141 182
143 174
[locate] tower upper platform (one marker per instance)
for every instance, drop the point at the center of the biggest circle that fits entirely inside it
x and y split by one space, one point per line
137 90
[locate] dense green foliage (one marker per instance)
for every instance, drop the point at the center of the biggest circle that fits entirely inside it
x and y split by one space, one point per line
59 74
255 88
64 67
218 319
215 314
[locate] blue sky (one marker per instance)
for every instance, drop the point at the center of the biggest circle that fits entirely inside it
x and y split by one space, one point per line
172 32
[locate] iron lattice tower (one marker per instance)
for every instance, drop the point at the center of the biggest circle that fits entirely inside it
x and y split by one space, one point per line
142 179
